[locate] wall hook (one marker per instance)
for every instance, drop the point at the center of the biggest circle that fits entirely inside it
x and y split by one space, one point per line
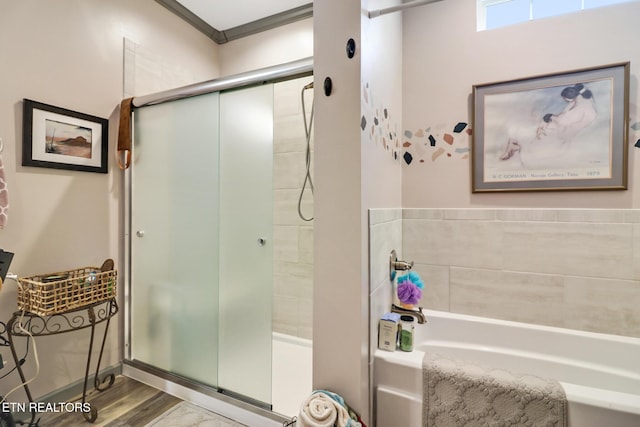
351 48
395 265
328 86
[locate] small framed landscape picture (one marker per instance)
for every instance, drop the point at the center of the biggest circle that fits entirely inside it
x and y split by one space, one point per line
58 138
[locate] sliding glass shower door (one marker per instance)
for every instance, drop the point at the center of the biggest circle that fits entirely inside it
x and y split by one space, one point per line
174 242
246 241
201 234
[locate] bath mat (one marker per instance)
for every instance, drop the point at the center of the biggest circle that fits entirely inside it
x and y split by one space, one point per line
460 393
186 414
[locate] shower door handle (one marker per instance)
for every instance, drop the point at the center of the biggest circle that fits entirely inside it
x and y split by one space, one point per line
262 242
140 233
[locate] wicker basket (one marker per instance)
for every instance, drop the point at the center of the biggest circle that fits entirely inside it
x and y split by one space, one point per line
66 290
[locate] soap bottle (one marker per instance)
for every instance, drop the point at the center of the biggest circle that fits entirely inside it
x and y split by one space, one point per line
406 333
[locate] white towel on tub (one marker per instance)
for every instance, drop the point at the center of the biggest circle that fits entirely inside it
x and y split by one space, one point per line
325 409
460 393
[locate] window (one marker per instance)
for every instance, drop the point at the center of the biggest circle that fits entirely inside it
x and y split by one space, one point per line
500 13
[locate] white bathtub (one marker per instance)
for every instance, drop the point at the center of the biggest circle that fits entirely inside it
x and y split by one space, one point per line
599 373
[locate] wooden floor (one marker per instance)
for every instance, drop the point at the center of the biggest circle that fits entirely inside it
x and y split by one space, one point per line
128 403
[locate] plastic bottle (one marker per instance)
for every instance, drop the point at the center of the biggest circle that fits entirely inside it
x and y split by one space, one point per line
406 333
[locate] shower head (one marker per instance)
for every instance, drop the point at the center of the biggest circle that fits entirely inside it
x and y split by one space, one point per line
309 86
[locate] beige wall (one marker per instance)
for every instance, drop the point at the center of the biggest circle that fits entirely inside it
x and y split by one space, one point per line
277 46
445 56
69 53
340 315
354 171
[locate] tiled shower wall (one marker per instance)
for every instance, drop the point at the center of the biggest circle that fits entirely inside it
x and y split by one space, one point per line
572 268
293 237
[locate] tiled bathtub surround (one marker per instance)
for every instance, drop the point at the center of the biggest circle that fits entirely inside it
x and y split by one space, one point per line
385 235
573 268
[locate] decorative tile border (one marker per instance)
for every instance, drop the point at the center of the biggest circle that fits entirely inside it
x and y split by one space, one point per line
441 141
453 141
636 127
377 123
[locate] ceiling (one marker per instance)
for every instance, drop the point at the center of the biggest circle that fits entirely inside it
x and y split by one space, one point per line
226 20
226 14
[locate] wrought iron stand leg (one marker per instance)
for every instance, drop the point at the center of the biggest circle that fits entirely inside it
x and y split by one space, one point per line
93 414
18 365
111 377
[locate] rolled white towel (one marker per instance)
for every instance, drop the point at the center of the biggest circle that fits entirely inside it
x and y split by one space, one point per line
320 410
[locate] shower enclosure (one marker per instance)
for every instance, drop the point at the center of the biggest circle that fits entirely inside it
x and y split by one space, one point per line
201 234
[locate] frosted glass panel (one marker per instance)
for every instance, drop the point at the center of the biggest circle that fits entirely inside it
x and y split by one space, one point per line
246 262
174 242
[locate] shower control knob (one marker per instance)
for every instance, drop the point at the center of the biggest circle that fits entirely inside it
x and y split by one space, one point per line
140 233
262 242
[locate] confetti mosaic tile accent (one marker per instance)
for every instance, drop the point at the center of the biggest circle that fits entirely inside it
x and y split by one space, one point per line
454 141
636 128
438 142
442 141
377 122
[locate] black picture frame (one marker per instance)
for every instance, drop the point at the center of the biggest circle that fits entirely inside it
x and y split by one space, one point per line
522 143
58 138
